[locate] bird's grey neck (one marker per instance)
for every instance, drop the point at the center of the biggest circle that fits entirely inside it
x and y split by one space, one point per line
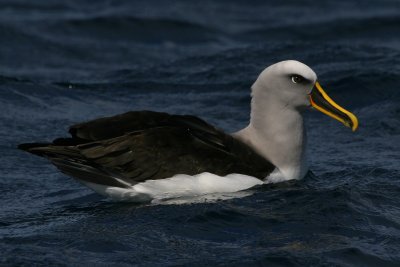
277 133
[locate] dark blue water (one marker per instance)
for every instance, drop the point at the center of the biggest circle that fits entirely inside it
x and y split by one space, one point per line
63 62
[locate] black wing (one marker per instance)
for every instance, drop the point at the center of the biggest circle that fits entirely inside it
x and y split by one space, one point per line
110 127
137 146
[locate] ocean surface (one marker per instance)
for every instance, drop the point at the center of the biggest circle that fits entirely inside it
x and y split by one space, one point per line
63 62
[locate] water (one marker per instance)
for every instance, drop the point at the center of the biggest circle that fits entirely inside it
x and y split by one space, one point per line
63 62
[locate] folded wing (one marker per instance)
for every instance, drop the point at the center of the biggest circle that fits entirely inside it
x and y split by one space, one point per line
136 146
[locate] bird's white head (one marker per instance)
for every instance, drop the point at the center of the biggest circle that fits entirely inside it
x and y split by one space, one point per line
292 85
287 82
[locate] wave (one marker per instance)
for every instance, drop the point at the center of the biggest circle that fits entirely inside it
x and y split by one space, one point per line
130 29
369 28
9 79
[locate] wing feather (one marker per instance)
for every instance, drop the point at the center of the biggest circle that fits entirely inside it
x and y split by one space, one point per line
137 146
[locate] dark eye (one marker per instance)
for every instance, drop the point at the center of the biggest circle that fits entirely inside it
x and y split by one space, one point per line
297 79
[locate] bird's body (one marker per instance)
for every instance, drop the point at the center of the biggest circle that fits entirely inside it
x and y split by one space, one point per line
144 155
126 156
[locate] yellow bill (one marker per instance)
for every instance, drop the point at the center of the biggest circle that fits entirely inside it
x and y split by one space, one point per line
322 102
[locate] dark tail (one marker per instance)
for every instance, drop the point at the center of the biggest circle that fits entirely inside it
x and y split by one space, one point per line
41 148
34 148
69 160
50 150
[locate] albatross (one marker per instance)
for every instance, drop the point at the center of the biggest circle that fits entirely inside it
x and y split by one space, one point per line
145 155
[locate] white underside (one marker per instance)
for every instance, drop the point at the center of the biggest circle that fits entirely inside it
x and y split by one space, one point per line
181 187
